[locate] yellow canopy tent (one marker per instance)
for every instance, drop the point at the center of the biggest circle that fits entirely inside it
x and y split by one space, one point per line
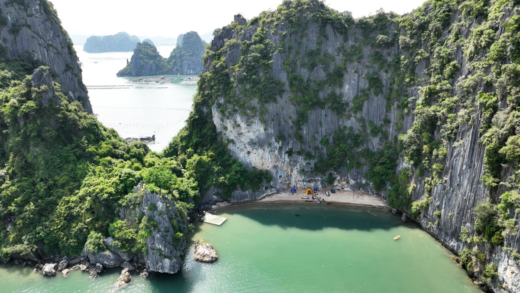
308 191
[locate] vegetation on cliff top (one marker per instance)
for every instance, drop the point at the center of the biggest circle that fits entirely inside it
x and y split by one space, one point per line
425 51
186 58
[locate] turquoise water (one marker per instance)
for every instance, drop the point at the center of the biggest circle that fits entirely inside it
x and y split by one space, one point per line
266 248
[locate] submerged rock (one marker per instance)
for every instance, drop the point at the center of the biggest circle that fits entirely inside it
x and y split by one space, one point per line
49 269
144 274
204 252
65 273
123 279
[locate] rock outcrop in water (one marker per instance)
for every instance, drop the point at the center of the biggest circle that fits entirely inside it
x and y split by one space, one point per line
121 42
158 218
124 279
49 269
185 59
146 61
31 30
318 98
165 243
204 252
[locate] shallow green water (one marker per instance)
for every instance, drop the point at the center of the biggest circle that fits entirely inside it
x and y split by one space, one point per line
266 248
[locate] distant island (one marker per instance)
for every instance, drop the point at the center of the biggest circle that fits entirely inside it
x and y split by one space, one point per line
185 59
121 42
148 41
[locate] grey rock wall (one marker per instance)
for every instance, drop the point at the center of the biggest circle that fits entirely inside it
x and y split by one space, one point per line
255 140
34 30
163 250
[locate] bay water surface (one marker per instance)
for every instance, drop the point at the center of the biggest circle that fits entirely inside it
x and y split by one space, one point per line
135 109
266 248
261 248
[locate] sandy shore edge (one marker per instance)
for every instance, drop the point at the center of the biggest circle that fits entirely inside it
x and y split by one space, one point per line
340 198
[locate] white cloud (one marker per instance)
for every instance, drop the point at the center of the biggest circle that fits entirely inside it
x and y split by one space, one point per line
169 18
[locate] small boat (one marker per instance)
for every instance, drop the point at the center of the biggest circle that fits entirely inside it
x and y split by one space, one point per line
297 215
397 237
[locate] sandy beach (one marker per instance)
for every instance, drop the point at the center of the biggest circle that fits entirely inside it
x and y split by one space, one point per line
340 197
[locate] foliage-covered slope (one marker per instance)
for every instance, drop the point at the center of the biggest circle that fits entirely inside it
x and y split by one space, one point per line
67 182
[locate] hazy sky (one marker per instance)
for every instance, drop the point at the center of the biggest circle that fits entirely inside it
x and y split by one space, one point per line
169 18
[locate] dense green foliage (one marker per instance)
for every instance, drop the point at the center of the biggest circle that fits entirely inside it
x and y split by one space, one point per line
249 85
63 175
146 58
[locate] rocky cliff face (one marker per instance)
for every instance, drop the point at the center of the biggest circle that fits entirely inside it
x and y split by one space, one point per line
185 59
163 226
121 42
31 29
318 98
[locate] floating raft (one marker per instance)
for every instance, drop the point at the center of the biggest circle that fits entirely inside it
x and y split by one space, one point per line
214 220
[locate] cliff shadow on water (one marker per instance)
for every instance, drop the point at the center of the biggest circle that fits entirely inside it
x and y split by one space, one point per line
315 217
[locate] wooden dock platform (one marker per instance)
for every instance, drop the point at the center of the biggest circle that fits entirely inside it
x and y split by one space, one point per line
214 219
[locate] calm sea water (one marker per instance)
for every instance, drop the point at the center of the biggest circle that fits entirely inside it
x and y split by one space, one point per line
266 248
135 109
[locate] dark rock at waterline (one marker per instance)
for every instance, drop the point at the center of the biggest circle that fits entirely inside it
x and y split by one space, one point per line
106 258
126 256
128 266
96 270
63 264
404 218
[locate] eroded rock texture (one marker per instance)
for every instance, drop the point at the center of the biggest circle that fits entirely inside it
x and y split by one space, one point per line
33 30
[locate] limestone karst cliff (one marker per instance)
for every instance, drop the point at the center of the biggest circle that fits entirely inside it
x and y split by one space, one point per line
64 177
146 61
121 42
185 59
162 226
33 31
419 108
